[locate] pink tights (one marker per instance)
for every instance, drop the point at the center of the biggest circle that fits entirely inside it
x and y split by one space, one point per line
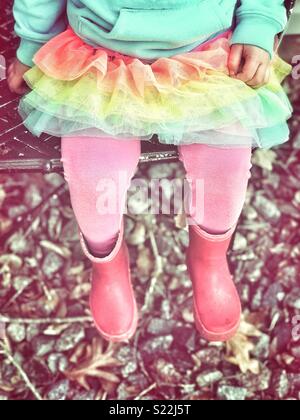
90 162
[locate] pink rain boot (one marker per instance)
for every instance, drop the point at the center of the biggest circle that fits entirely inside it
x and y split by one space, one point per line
112 300
217 306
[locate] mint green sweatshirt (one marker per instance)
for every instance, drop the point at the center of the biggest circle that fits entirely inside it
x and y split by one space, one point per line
147 29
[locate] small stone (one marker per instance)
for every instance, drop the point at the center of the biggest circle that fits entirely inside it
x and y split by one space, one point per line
282 338
70 231
123 391
70 338
165 245
255 271
209 357
183 237
138 202
166 371
32 331
76 309
33 196
21 282
138 236
255 383
272 296
244 291
52 264
294 380
162 343
84 396
15 211
187 315
42 345
54 201
158 326
288 276
124 355
257 299
296 142
293 299
160 171
166 309
54 223
296 352
264 158
267 208
57 362
262 348
54 179
129 368
297 196
209 378
128 226
185 337
280 384
232 393
240 242
251 213
138 380
18 244
59 391
38 371
17 332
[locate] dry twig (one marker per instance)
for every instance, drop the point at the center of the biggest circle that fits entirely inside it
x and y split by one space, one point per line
28 383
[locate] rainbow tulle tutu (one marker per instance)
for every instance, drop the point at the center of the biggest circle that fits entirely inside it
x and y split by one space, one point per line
78 89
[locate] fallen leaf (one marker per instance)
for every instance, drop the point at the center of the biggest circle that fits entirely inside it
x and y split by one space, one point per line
187 315
181 221
54 330
138 236
5 224
63 251
264 159
80 291
94 364
145 262
239 348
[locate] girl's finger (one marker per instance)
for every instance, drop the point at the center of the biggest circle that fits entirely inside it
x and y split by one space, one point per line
267 75
259 78
249 70
235 59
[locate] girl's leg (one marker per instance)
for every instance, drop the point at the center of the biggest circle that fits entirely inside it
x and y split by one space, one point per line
224 174
98 172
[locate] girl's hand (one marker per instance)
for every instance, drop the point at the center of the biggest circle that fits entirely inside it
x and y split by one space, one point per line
250 64
15 73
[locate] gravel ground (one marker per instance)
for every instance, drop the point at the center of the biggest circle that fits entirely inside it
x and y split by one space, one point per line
48 346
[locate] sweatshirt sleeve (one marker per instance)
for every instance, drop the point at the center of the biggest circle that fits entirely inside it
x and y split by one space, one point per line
258 22
36 22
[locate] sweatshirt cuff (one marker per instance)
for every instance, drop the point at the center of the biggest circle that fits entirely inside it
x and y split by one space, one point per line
256 31
27 50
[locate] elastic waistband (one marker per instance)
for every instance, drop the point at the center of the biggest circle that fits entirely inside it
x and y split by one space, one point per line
116 54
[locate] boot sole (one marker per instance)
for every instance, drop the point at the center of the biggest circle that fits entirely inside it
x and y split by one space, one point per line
214 336
122 337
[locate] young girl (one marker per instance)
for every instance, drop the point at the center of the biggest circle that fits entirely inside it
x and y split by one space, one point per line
201 74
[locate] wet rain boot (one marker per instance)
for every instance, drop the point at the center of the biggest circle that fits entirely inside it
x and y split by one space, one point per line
217 306
112 299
